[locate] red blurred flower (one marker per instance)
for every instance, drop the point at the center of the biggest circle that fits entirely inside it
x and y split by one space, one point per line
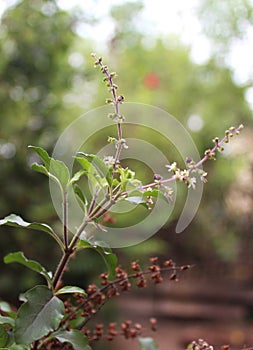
152 81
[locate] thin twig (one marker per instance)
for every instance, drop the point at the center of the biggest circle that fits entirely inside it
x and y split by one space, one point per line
65 218
116 101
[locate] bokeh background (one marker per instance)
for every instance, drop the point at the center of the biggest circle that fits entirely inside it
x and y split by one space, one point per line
193 59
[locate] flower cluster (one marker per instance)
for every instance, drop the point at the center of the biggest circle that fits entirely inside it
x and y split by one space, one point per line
116 100
182 175
192 167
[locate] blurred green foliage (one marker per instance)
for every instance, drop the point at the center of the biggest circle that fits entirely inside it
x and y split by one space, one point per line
35 43
47 80
36 38
225 22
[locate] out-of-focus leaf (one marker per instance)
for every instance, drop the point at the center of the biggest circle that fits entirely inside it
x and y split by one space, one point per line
7 320
18 347
5 307
4 337
147 344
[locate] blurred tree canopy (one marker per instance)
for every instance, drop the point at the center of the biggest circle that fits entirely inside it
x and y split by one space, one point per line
47 80
225 21
36 39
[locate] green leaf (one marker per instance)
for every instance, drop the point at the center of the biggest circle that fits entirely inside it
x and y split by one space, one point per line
85 244
110 259
127 179
38 316
100 165
147 344
43 155
40 169
55 169
70 289
18 347
17 221
135 200
61 171
91 172
75 338
79 193
7 320
76 177
4 336
5 307
19 257
85 164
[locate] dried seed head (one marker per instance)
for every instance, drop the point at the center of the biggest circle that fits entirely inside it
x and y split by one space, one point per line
153 323
168 263
153 260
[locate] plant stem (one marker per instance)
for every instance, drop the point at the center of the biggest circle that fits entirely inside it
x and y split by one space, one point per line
95 214
99 206
93 202
61 267
119 146
65 218
103 210
35 345
116 101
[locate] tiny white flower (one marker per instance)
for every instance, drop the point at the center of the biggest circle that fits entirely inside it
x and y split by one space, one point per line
172 167
109 160
203 177
192 182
